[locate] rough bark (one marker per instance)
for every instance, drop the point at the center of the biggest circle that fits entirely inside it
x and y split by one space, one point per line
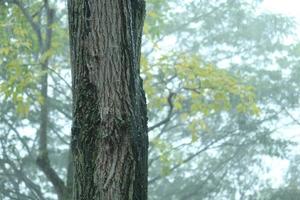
109 130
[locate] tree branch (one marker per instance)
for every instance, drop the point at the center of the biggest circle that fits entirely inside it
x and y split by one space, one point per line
21 175
24 143
34 25
291 116
183 162
44 164
168 118
189 158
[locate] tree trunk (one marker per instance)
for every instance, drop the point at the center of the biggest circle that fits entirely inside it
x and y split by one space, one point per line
109 130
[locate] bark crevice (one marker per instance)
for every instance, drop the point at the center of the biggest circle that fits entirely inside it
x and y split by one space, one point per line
109 134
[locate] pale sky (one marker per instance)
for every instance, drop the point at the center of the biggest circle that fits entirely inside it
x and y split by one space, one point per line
287 7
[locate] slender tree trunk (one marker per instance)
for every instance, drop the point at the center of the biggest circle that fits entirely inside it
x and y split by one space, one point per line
109 131
43 160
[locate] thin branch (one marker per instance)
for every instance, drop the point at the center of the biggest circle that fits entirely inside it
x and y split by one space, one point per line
59 76
183 162
20 174
168 118
54 72
189 158
291 116
222 165
60 137
11 126
60 109
34 25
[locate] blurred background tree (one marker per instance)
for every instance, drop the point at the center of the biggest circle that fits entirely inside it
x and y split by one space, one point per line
222 83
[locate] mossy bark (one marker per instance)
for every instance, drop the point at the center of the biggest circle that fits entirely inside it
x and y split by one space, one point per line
109 131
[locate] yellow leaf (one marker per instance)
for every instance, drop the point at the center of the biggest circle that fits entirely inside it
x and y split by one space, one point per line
5 51
203 125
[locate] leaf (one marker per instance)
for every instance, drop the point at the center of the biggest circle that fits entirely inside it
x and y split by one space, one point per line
5 51
46 55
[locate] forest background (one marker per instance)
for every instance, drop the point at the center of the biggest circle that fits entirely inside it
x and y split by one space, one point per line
222 84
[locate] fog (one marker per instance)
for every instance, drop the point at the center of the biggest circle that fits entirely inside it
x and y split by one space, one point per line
221 81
